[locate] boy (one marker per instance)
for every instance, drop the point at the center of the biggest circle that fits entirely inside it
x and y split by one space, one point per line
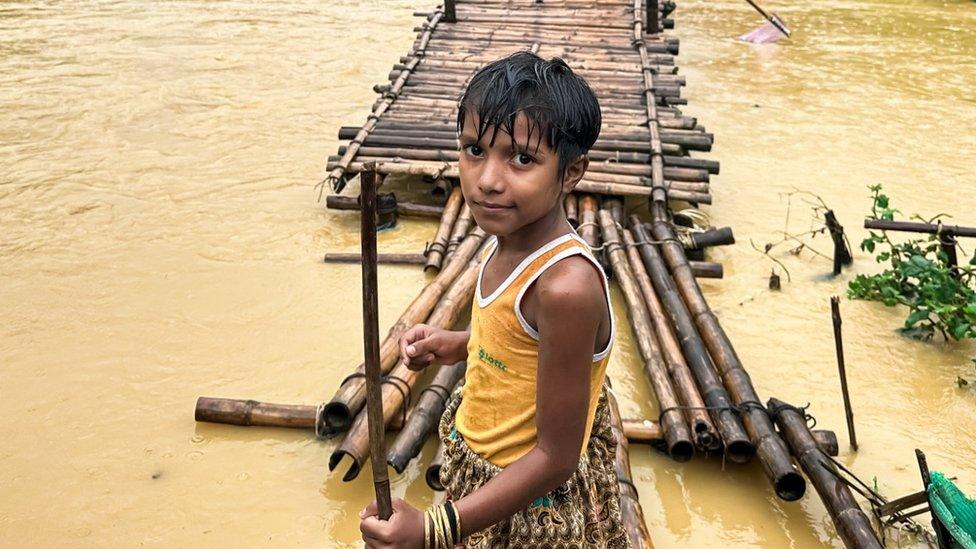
529 453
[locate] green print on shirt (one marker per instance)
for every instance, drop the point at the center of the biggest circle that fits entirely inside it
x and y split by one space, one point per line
483 356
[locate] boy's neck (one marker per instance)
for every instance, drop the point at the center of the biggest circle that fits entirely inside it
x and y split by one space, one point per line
536 234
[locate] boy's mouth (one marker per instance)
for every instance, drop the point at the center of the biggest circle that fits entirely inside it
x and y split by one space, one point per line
492 206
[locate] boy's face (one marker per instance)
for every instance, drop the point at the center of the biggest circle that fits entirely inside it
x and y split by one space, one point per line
514 181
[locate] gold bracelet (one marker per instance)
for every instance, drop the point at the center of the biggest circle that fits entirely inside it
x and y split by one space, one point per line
427 529
439 528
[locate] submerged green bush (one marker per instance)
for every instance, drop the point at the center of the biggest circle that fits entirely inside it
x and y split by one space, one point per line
939 299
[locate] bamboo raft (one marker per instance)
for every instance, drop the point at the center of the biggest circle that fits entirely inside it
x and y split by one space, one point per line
706 401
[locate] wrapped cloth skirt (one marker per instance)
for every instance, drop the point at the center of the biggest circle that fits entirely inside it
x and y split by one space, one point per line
583 512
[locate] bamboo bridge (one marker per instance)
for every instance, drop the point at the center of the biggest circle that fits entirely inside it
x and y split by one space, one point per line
706 399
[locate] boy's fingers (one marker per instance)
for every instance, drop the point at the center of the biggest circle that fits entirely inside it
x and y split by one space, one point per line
408 338
370 511
375 528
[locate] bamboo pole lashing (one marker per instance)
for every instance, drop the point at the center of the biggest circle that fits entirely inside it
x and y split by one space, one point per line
737 444
707 438
437 248
461 227
425 416
677 433
771 450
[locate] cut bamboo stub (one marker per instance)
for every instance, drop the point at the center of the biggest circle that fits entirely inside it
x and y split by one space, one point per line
424 417
676 432
338 413
438 247
396 391
433 473
853 526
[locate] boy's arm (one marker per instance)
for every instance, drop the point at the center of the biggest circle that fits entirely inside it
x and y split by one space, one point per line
423 345
568 316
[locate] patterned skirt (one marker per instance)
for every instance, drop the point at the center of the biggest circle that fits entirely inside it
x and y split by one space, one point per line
582 512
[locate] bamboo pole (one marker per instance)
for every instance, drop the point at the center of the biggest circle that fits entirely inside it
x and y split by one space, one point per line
425 416
460 229
371 346
842 369
597 187
390 259
401 379
248 413
676 431
336 176
853 526
438 247
336 202
251 413
589 228
338 413
571 207
642 430
706 269
737 445
631 512
706 437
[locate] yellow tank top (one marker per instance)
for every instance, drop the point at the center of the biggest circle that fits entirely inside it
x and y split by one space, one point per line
497 412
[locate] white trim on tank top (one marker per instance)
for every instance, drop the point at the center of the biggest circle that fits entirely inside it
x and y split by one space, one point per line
532 332
484 302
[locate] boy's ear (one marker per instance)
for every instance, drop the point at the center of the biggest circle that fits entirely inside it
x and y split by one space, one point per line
575 172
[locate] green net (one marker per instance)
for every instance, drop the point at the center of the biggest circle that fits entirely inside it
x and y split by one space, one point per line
954 510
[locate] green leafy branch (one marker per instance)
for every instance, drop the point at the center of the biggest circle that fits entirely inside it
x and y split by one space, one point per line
940 298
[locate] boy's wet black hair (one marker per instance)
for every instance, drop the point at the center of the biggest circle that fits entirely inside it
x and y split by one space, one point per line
557 103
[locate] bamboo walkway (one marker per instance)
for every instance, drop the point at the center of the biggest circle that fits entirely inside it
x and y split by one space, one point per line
706 399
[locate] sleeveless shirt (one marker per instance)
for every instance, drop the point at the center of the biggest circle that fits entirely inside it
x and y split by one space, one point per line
496 416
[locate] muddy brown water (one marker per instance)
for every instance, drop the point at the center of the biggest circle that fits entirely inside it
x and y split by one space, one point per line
161 240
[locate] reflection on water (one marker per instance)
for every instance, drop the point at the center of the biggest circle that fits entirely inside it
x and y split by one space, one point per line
161 241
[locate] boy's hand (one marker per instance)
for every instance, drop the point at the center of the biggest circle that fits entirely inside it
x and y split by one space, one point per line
424 345
405 529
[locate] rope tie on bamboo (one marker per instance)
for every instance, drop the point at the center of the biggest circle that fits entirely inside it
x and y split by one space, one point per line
439 390
321 429
391 95
392 380
744 407
435 246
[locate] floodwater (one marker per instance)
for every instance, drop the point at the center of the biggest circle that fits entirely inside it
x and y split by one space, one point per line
161 240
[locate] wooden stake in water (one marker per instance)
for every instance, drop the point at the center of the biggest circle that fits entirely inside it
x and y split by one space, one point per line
371 345
839 344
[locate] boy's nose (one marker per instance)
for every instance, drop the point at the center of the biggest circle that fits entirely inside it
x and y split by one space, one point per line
491 178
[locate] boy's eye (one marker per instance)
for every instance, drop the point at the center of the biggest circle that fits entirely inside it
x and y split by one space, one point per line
473 150
523 159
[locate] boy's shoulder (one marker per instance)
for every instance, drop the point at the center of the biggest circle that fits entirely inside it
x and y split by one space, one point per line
572 284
